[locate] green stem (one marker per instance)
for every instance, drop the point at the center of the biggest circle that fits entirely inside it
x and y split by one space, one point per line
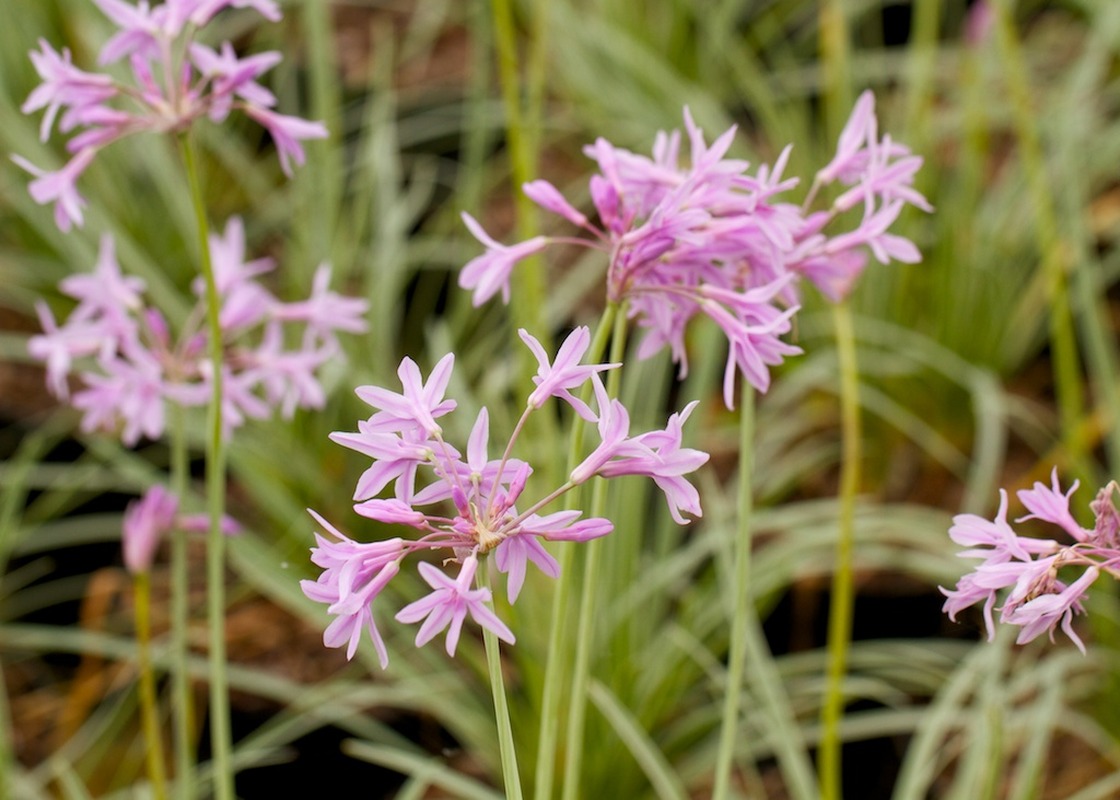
835 65
561 600
149 712
183 702
511 776
842 598
581 669
523 141
220 737
739 621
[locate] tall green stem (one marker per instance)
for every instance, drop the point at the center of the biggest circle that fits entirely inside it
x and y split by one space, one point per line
835 65
523 141
220 737
183 702
557 634
842 598
511 776
585 634
738 648
149 711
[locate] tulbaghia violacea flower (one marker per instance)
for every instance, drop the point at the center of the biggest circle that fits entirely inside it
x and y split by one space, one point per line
175 81
153 516
470 505
129 366
712 238
1037 601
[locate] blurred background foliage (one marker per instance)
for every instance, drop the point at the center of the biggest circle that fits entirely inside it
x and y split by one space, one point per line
1019 128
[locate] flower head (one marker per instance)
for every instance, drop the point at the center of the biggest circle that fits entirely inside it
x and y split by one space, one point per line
175 81
469 505
129 365
1037 600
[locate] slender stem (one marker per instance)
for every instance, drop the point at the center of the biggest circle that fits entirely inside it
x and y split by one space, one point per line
837 91
585 634
739 621
523 126
842 598
149 712
835 64
183 699
511 776
561 601
220 737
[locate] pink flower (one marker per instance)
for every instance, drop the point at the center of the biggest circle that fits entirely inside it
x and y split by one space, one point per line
559 378
145 523
325 311
513 555
130 394
233 76
419 404
659 455
58 347
64 85
448 606
59 187
353 575
490 272
106 294
287 132
850 158
153 516
1045 612
1050 505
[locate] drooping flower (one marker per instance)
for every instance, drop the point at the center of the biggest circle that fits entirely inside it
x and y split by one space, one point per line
353 574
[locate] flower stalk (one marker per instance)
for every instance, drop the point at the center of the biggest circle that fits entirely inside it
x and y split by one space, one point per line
737 657
182 697
220 736
149 708
581 667
556 662
511 776
842 597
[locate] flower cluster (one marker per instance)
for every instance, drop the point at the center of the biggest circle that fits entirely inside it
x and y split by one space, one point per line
130 366
466 505
152 517
712 238
175 80
1037 601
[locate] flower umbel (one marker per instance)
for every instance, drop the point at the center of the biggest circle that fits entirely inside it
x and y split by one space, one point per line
467 506
1038 601
129 366
712 238
175 81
